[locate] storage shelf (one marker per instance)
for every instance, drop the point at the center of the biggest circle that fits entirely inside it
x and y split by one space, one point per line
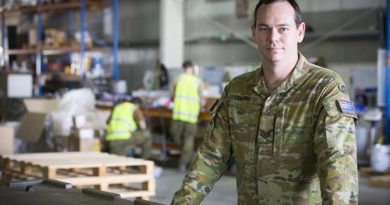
24 51
53 51
58 51
77 7
54 7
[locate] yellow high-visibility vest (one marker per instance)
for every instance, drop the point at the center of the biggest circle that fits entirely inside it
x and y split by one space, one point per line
122 122
186 105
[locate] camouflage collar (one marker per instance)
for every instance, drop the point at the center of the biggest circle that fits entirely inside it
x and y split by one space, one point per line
300 69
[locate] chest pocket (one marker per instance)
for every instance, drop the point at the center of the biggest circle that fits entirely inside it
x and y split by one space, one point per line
292 129
243 119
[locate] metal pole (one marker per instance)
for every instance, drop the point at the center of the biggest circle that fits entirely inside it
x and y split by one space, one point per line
82 41
4 37
115 13
38 57
387 79
40 39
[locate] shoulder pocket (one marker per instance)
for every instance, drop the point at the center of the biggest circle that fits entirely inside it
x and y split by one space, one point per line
335 108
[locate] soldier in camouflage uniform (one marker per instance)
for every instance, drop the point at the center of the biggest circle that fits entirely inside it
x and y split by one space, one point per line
289 125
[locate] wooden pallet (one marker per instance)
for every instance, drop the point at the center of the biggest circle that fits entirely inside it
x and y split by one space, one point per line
380 181
129 177
367 172
376 179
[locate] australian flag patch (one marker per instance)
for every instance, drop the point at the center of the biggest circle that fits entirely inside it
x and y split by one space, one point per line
346 106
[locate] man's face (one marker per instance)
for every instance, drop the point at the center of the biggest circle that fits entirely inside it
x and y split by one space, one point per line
276 33
189 70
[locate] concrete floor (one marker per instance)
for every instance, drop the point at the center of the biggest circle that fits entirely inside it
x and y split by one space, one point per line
224 192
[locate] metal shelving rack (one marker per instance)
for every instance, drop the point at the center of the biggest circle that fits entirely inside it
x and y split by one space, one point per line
40 51
387 77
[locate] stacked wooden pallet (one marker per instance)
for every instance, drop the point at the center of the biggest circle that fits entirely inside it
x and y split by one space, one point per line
376 179
128 177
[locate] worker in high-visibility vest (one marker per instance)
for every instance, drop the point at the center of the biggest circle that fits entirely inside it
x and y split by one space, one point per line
187 98
127 127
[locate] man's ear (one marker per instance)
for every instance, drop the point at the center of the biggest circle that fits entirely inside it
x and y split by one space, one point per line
301 32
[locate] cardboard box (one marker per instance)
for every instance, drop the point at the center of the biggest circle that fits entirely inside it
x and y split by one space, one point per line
79 121
33 122
7 140
89 145
84 140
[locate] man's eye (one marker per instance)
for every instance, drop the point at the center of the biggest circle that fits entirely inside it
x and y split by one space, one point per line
263 29
283 29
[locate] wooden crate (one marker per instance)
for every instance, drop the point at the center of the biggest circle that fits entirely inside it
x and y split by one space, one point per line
129 177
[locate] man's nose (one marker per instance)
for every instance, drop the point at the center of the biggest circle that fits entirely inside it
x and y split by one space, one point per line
274 35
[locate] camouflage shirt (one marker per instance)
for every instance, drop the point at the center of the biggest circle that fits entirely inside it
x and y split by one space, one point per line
294 145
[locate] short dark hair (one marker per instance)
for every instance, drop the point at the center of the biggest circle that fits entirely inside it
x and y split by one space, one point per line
136 100
293 3
187 64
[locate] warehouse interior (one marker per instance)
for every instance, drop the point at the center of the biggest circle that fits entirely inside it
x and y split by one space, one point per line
66 64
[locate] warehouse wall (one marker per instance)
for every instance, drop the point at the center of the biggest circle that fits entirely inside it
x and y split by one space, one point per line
359 44
138 37
320 5
226 7
353 24
139 20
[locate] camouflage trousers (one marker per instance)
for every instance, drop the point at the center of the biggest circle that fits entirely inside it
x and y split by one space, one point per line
184 135
138 138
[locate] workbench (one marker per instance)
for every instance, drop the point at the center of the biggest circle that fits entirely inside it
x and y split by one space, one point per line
167 113
163 114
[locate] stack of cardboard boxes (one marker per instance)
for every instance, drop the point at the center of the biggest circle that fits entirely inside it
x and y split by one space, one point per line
84 137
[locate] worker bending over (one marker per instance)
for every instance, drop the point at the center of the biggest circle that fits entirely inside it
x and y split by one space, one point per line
123 131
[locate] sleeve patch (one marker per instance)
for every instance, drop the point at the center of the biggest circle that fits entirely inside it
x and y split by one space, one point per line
343 89
346 106
337 107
